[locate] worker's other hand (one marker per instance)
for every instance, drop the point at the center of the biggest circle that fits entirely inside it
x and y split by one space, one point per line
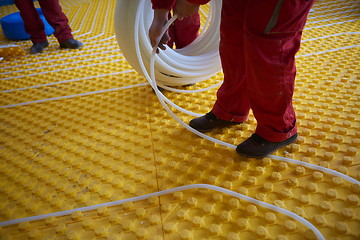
184 8
157 25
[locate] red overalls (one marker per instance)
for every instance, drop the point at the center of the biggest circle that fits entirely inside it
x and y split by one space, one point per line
184 32
181 33
259 40
53 14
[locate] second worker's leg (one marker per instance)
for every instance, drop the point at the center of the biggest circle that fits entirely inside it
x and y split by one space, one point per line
58 20
273 34
232 105
33 25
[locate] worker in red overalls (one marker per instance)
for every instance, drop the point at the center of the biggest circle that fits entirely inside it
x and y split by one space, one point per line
35 27
259 40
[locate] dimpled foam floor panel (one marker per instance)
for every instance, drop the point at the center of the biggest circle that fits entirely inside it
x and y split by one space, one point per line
80 128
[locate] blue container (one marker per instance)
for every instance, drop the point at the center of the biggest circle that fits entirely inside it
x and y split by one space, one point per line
13 26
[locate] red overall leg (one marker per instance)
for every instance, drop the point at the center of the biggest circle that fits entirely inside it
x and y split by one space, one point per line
57 19
232 97
32 22
184 32
272 38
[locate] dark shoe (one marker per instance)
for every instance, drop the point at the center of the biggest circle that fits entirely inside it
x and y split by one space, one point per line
256 146
39 46
208 122
71 43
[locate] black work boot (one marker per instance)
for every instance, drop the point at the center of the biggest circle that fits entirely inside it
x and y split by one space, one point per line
39 46
208 122
71 43
257 147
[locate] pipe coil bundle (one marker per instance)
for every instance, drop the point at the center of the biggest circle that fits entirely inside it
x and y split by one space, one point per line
196 62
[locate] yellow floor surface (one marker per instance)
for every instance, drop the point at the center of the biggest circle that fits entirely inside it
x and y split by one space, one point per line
81 127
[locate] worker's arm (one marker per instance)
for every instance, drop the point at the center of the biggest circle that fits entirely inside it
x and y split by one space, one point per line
161 13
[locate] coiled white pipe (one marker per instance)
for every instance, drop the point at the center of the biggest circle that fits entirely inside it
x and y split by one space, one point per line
197 62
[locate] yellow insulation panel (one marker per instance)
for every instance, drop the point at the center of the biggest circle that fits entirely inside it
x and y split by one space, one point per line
81 128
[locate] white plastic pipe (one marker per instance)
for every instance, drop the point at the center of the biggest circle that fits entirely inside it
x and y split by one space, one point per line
197 62
168 191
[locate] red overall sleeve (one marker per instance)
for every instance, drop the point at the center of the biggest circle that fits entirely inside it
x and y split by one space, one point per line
162 4
168 4
199 2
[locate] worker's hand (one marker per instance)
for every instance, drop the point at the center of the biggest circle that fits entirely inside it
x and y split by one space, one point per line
184 8
159 21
